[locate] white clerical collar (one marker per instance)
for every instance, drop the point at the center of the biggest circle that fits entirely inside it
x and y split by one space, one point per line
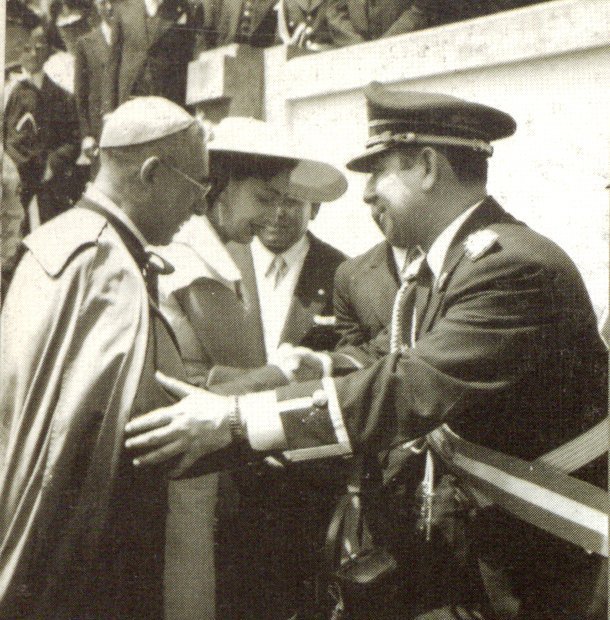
152 6
292 255
106 32
438 250
94 194
197 252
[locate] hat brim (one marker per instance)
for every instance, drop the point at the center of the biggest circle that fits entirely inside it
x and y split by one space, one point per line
364 161
310 180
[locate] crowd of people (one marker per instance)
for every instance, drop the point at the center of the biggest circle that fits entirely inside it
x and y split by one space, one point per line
213 414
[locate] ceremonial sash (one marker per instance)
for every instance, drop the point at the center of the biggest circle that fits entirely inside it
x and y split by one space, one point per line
540 492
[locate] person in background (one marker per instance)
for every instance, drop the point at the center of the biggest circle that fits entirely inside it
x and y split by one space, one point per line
92 79
250 22
287 302
304 24
494 335
42 133
12 216
155 43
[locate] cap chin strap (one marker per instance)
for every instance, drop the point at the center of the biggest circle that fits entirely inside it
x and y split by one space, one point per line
389 138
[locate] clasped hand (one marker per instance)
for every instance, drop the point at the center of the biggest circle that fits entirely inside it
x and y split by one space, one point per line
301 363
194 427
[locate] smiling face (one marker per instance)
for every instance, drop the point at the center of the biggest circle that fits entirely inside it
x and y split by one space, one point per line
36 51
394 193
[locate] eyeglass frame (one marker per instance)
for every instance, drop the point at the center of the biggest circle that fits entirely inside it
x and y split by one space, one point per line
204 188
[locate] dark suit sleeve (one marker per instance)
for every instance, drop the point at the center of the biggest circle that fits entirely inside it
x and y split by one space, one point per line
414 18
82 88
342 30
494 331
66 153
20 131
348 326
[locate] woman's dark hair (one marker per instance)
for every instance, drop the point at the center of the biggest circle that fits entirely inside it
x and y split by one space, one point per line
224 166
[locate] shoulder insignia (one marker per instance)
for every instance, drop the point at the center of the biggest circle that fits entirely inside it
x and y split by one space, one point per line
479 243
60 239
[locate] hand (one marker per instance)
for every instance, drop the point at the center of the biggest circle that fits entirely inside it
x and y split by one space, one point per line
195 426
301 363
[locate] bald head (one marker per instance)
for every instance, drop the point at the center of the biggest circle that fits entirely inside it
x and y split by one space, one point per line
149 148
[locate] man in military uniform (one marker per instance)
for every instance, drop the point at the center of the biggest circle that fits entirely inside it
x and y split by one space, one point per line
493 334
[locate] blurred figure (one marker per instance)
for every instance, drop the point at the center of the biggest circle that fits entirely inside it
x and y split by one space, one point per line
41 132
354 21
156 40
303 23
92 79
251 22
12 216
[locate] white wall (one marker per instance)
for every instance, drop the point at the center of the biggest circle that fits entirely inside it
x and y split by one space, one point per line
547 65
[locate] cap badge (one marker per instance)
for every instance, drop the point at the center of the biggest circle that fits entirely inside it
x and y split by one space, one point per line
479 243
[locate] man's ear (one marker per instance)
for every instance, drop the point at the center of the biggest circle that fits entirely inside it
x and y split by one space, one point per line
148 169
429 160
315 209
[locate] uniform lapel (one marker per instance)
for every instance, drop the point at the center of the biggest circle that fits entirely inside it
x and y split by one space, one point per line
489 212
309 6
381 282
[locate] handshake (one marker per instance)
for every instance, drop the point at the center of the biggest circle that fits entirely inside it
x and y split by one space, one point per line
203 422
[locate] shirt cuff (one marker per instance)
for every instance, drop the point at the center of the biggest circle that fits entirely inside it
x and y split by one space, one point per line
260 412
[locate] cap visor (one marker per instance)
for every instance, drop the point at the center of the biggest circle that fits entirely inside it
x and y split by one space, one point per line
364 161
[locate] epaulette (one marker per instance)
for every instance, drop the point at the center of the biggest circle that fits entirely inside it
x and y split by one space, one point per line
480 243
59 240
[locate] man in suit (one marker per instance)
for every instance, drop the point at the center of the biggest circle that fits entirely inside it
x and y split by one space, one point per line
155 43
251 22
355 21
493 334
41 132
92 80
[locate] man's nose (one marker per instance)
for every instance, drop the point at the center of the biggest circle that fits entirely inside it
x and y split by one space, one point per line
370 191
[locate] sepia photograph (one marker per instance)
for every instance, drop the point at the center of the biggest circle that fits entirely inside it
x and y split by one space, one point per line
304 310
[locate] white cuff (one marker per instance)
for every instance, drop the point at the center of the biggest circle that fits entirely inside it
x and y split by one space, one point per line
264 426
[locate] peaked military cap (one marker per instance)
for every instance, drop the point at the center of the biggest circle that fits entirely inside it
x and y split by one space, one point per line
143 119
408 117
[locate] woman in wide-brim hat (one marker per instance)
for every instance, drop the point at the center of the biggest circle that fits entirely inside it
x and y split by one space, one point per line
251 165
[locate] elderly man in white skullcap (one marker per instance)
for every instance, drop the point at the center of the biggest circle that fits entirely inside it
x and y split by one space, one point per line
82 532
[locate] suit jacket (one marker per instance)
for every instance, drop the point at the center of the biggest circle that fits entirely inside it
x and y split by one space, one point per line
365 288
509 355
354 21
41 126
153 53
220 23
81 532
93 81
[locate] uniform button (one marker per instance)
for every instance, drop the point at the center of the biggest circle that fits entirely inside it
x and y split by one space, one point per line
320 399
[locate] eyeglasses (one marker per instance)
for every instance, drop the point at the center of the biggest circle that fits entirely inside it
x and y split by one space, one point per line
204 188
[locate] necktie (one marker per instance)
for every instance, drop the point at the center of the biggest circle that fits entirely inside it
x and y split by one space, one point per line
405 304
277 269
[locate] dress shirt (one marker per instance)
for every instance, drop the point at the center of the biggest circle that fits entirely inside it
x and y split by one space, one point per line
274 300
400 259
96 195
152 6
106 32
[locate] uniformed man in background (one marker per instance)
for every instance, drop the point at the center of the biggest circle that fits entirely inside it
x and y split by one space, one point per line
493 334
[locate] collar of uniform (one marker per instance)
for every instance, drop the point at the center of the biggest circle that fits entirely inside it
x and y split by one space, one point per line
438 250
264 257
196 252
400 258
152 7
96 195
